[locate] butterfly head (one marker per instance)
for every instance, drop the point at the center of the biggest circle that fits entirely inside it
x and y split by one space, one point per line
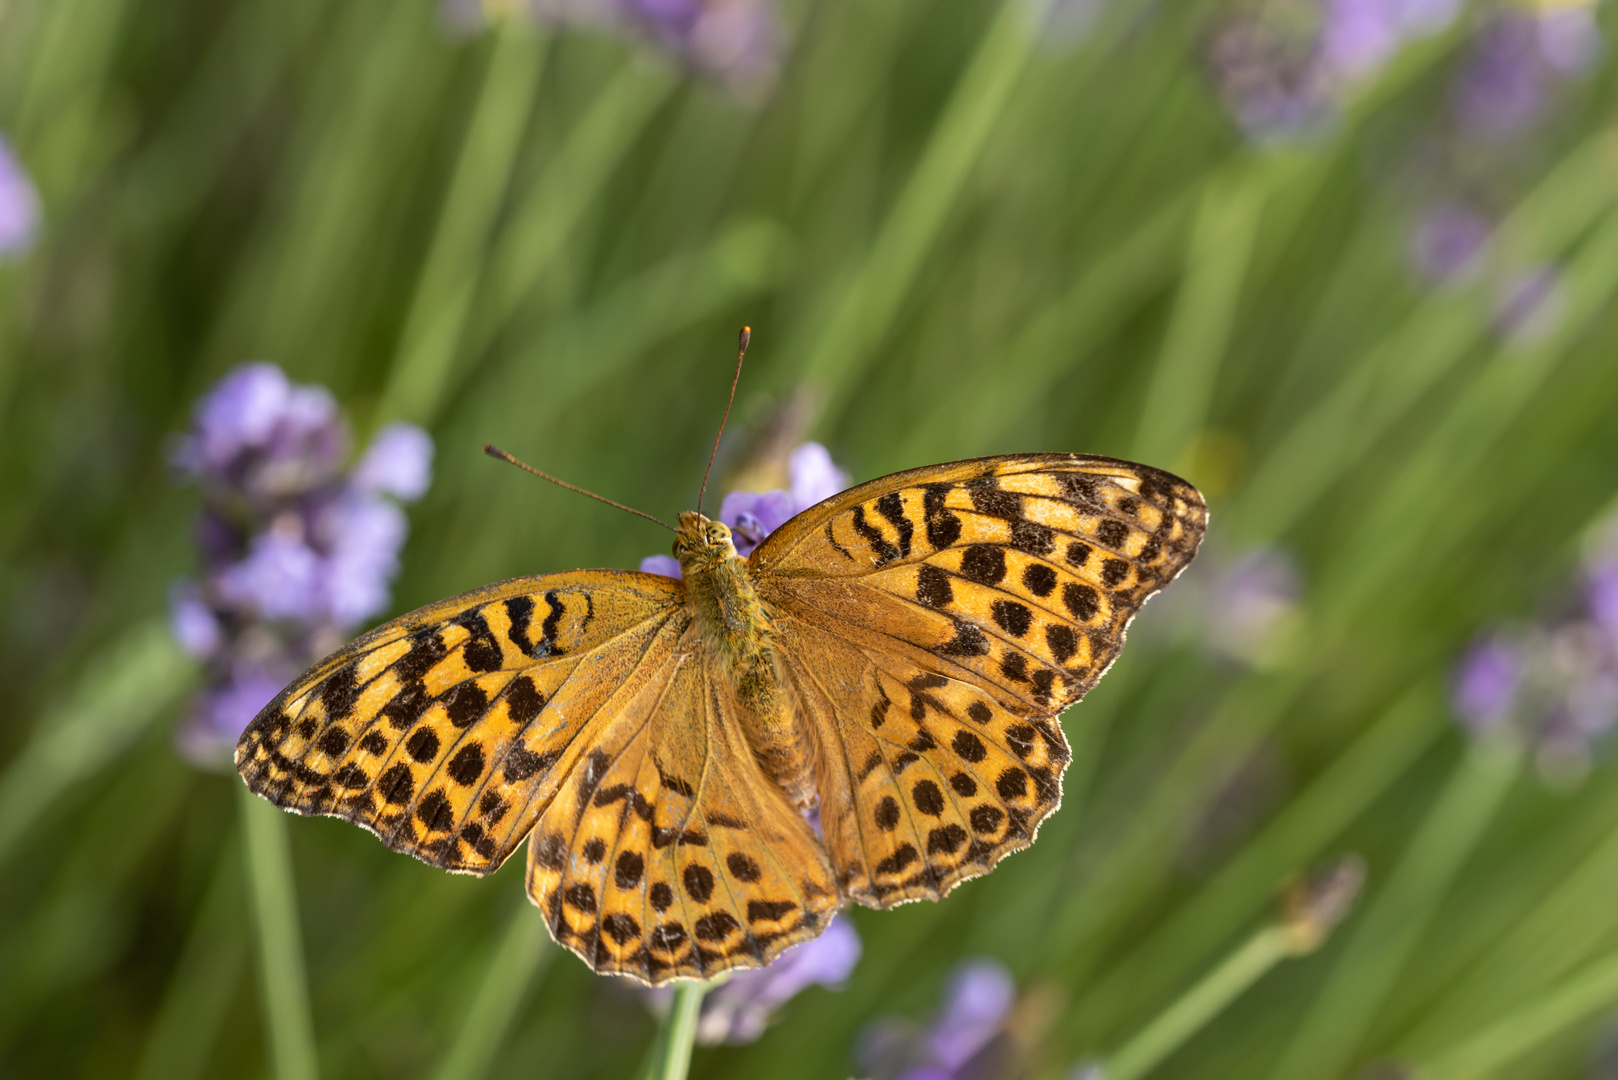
702 540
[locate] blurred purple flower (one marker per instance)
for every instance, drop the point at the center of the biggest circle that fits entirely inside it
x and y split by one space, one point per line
667 565
979 995
1601 594
1516 58
19 205
738 1010
1284 67
978 998
752 515
295 552
224 709
193 622
1487 682
1449 242
736 41
399 462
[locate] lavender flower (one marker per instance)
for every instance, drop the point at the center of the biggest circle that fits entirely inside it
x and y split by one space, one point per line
1449 242
751 515
737 42
1553 684
296 552
977 1000
19 205
739 1009
1284 67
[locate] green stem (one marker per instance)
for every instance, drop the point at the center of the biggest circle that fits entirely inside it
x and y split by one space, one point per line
275 906
1327 1041
1498 1044
204 981
671 1054
1201 1003
1299 835
1194 346
867 304
448 282
519 959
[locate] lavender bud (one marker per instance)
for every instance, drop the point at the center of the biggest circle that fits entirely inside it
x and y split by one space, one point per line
979 995
1486 686
1449 242
19 205
666 565
193 622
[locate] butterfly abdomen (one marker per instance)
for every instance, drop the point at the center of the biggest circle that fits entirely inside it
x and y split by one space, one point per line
734 626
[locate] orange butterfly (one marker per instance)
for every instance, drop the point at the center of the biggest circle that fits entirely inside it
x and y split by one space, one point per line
895 657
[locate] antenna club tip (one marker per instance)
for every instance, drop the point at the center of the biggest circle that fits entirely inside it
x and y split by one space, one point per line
744 337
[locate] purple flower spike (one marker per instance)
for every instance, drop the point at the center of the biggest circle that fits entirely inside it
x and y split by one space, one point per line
1487 683
1569 38
754 515
399 462
1449 243
19 205
295 552
1506 84
739 1010
979 995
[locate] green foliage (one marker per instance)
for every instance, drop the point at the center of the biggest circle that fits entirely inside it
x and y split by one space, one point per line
959 239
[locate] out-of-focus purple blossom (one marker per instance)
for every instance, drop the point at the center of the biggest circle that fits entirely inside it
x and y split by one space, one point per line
1284 67
296 552
1552 685
224 708
1486 685
19 205
736 41
1569 37
752 515
1449 242
978 998
1517 57
979 995
1242 606
666 565
193 622
1529 305
399 462
740 1009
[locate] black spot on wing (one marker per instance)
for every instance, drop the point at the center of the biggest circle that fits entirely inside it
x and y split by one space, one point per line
480 651
520 610
984 564
1112 533
548 629
880 546
933 587
891 506
943 527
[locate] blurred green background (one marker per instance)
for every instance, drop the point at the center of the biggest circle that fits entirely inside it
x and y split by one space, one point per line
1177 232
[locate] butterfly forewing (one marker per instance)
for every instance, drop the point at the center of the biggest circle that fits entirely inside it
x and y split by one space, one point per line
936 622
446 731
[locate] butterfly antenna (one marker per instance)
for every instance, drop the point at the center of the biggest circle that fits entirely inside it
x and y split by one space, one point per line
741 350
496 452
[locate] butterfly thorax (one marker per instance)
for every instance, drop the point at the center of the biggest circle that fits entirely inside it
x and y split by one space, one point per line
734 625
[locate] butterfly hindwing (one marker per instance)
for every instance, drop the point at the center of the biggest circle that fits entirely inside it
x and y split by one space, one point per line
937 621
445 731
668 853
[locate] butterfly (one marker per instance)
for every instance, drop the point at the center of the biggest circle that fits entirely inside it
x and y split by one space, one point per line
893 659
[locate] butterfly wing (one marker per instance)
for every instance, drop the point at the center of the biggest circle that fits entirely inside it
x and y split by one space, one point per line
935 622
447 731
582 709
669 854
